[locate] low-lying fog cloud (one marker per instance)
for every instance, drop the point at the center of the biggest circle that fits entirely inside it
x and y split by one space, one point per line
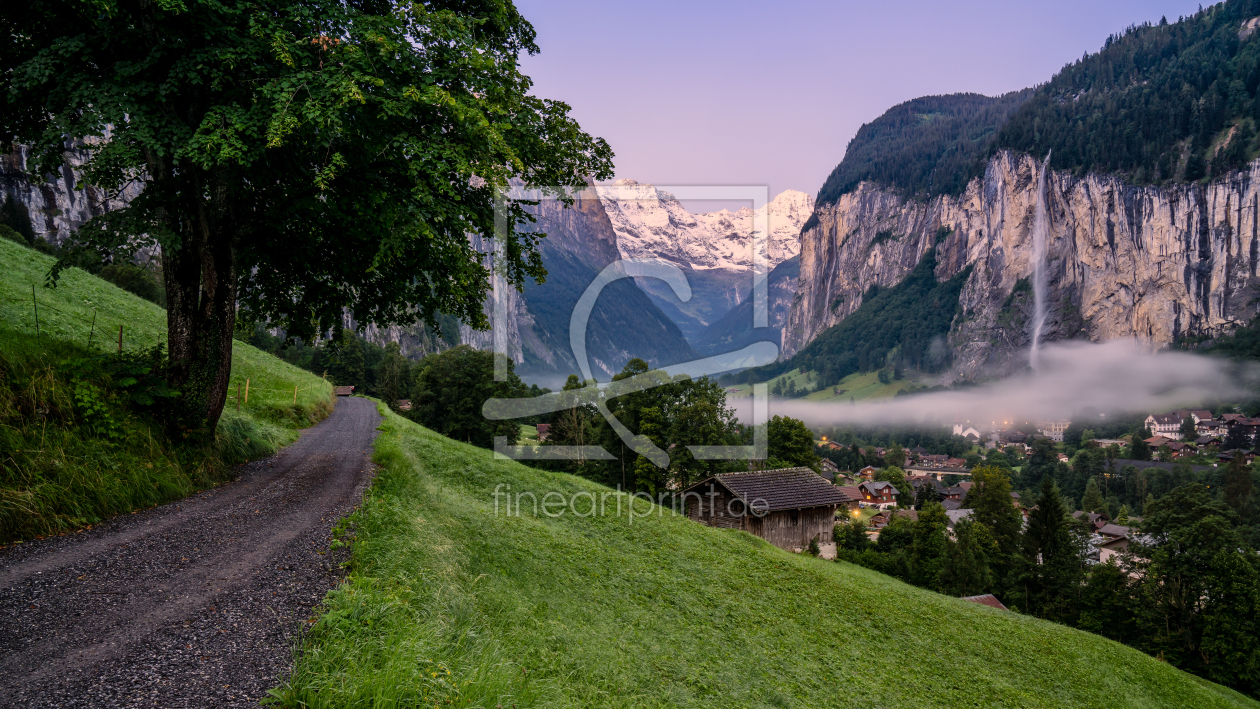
1117 376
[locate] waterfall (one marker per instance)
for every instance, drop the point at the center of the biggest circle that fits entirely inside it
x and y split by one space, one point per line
1040 227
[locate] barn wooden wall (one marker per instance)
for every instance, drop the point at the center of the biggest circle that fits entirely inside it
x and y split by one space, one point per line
789 529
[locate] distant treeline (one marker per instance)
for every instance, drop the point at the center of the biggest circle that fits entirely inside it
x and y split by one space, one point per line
1169 101
925 147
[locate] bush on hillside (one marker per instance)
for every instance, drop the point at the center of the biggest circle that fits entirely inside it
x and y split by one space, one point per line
135 279
14 215
84 438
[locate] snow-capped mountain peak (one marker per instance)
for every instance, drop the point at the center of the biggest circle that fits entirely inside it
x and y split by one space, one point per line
653 223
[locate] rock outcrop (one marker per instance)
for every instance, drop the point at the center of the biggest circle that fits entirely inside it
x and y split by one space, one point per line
58 205
1152 263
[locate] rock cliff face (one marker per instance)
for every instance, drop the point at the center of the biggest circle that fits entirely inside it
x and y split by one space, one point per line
57 206
1151 263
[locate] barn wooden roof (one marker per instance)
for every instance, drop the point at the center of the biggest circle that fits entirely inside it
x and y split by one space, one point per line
987 599
782 489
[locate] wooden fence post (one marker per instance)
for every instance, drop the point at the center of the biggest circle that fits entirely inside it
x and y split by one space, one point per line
93 332
246 390
36 304
120 339
295 395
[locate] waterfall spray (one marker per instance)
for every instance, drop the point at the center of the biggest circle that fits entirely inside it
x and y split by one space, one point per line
1040 227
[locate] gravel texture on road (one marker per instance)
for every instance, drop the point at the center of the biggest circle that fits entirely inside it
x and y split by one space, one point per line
196 603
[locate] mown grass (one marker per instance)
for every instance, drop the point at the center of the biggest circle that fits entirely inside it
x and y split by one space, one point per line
451 604
60 471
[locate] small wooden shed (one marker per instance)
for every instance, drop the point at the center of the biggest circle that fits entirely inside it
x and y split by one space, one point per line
343 391
788 507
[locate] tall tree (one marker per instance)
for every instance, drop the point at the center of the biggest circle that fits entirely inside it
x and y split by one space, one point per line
1053 565
393 375
966 570
1139 449
1093 499
297 161
451 387
791 442
1239 494
926 494
930 546
1186 529
990 500
1237 439
1188 431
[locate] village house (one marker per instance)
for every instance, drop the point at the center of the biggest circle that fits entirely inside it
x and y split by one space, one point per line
867 473
828 470
879 521
853 495
788 507
1095 520
1169 424
544 430
878 493
966 430
1166 425
1053 429
1111 540
852 500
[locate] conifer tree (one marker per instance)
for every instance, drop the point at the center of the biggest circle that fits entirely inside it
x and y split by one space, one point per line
1093 500
1238 489
1052 569
990 500
928 551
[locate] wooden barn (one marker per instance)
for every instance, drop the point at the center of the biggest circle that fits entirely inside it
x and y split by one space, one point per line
787 507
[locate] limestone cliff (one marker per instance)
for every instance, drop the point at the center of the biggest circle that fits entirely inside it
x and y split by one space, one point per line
1151 263
58 205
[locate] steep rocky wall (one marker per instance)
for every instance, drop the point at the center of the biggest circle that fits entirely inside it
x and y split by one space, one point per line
57 206
1151 263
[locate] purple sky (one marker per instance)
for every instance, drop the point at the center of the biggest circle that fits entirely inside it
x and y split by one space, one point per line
771 92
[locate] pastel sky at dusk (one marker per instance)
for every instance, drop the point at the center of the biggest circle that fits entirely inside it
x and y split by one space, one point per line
771 92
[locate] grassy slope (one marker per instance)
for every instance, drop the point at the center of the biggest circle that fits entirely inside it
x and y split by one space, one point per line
859 386
58 482
451 602
65 313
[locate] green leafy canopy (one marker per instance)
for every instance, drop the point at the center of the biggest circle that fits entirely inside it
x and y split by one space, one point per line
346 150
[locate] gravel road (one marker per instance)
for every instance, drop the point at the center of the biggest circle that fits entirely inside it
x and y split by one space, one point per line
193 604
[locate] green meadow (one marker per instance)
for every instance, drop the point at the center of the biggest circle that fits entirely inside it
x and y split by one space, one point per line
453 602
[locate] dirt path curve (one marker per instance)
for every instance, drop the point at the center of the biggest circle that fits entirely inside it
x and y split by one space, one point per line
192 604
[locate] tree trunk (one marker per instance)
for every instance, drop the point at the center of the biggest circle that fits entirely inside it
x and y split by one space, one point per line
200 280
